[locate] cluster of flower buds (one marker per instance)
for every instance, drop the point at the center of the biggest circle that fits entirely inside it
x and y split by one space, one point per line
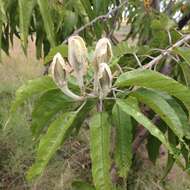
78 64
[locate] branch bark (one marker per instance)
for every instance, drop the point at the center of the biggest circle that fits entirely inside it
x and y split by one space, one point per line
185 39
156 5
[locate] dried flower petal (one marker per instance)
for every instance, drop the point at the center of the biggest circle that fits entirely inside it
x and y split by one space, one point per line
77 56
104 80
103 52
60 70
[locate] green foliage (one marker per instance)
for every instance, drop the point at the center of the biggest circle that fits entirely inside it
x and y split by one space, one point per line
50 21
25 18
153 144
155 80
100 147
60 109
186 70
62 49
160 106
182 115
57 116
129 108
123 149
32 87
184 53
170 160
47 106
47 20
50 143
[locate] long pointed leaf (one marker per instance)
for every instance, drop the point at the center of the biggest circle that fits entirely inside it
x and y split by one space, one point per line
123 149
160 106
129 109
50 143
84 111
32 87
170 159
155 80
99 147
47 19
182 116
25 12
47 106
153 144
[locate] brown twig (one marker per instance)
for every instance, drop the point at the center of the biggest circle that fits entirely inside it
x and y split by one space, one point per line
101 17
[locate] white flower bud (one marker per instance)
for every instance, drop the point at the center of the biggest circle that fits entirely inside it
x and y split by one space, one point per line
60 70
103 52
77 56
104 80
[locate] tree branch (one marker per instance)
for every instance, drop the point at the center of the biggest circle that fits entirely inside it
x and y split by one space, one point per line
156 5
167 51
101 17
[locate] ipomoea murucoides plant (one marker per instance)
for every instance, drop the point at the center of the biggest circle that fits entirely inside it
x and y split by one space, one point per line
78 88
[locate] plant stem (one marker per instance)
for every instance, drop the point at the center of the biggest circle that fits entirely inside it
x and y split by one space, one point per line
167 51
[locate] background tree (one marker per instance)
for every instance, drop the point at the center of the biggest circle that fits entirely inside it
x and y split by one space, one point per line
139 95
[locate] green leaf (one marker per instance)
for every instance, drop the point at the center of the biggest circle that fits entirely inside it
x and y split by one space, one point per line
153 144
186 72
39 42
184 52
80 185
101 6
160 106
185 153
169 165
62 49
124 48
88 8
123 149
70 21
99 150
47 106
50 143
84 111
129 108
47 19
25 12
170 159
157 81
32 87
79 8
182 116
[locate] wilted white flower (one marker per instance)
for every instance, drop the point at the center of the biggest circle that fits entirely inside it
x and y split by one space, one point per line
102 56
60 70
77 56
104 80
103 52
